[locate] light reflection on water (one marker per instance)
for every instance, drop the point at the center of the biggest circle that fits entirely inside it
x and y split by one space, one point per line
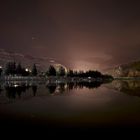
72 103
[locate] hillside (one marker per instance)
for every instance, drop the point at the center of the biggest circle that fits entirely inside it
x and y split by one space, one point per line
27 60
125 70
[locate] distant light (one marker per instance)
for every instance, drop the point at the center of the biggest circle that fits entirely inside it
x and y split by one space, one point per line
89 77
27 69
0 67
15 85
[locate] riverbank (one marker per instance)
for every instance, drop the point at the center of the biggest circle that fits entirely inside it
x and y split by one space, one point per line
126 78
53 79
21 78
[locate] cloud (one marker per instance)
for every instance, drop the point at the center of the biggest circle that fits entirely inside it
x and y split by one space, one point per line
85 33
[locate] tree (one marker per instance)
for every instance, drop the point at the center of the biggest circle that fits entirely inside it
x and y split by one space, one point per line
51 71
25 72
7 69
13 68
70 73
34 70
1 71
75 73
19 69
61 71
10 68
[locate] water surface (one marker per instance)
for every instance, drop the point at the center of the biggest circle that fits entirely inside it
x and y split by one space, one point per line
71 104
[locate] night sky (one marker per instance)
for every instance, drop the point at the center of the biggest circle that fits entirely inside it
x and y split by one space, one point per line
81 34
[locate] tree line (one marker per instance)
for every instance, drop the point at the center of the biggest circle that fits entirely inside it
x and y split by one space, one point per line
12 68
71 73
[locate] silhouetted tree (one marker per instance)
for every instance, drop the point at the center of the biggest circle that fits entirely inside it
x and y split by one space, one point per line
7 69
25 73
34 70
1 71
80 74
61 71
51 71
13 68
75 73
70 73
19 69
10 68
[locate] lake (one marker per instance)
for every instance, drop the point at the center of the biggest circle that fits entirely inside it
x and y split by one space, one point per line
82 105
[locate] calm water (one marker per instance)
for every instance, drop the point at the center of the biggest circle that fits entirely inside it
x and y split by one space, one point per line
73 104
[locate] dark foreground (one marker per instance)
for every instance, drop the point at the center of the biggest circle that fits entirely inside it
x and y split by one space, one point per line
36 130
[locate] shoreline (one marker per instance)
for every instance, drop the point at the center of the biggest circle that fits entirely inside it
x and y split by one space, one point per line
52 79
126 78
62 79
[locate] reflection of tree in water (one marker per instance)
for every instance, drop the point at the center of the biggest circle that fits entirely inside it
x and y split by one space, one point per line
89 85
19 91
34 89
12 91
16 90
62 87
81 85
51 88
0 89
70 85
131 88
